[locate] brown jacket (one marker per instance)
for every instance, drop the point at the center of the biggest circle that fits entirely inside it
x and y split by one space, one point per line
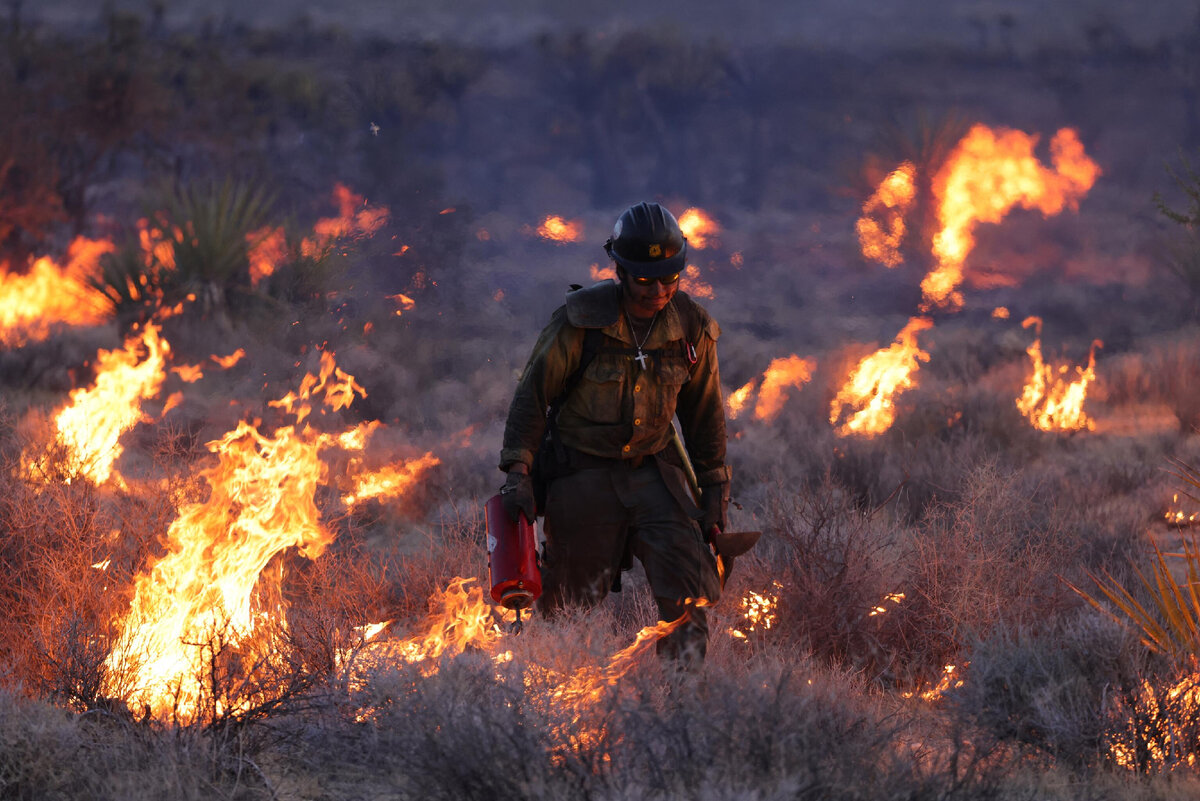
619 410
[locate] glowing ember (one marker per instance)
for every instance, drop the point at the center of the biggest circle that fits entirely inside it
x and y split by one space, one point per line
1150 737
691 283
1178 517
894 598
404 302
390 481
91 425
758 613
1049 401
1000 313
557 229
949 680
698 227
48 295
990 172
877 379
878 238
211 591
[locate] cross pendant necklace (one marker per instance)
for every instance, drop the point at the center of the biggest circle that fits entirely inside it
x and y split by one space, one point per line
641 355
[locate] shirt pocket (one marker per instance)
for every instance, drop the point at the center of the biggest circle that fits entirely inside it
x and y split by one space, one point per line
672 375
601 392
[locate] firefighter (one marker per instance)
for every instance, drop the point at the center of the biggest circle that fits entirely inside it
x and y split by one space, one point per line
619 489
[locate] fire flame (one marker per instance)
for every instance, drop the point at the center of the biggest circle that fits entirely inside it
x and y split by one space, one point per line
607 273
389 481
990 172
556 229
949 680
691 283
49 294
877 379
1050 402
699 228
1148 738
880 239
91 425
788 372
211 590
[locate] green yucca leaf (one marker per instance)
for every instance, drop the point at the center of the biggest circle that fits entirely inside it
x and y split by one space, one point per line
1172 624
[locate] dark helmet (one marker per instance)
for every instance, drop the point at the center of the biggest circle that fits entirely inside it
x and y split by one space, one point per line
647 242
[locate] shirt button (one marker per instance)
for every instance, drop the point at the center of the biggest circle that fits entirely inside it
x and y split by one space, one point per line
626 449
637 421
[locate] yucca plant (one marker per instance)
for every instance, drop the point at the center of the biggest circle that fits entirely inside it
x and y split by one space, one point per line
201 236
1171 624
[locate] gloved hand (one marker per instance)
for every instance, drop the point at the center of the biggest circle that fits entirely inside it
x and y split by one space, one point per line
714 500
517 496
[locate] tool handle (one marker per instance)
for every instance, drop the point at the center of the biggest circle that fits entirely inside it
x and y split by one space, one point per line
688 470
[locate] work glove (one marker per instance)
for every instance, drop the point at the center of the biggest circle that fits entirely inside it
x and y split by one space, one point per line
517 496
715 501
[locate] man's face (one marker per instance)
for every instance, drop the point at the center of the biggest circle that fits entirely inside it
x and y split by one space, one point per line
646 300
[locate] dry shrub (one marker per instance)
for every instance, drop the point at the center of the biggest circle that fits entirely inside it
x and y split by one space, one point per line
475 730
835 565
991 558
1050 691
1167 372
50 753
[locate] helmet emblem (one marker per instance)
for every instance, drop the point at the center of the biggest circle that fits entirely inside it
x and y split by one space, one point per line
656 250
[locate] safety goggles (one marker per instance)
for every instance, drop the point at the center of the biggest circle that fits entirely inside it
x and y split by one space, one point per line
665 280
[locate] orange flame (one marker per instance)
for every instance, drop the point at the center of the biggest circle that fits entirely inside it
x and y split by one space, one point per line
737 399
699 228
188 373
691 283
356 220
1050 402
32 304
948 681
268 249
390 481
91 425
989 173
788 372
230 360
211 588
557 229
877 380
880 239
404 302
608 273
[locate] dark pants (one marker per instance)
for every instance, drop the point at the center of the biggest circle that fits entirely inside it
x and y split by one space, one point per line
593 514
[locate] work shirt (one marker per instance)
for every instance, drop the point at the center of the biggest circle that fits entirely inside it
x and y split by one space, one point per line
619 409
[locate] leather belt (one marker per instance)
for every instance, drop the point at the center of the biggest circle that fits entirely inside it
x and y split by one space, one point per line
586 461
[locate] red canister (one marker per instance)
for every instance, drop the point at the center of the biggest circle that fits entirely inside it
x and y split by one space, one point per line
512 557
